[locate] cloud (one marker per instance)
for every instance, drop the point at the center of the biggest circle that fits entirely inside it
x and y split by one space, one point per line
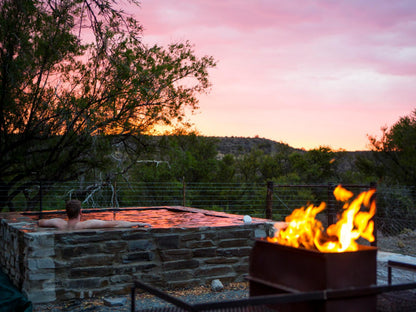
282 61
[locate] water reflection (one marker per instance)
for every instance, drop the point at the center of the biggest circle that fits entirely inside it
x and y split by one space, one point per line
158 218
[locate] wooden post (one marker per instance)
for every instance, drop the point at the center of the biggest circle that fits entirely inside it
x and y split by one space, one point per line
330 212
114 195
269 200
183 192
40 198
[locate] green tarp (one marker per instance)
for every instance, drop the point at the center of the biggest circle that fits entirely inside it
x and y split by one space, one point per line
11 300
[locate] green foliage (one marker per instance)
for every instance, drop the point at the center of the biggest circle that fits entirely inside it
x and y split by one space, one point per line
226 169
395 152
314 166
366 169
193 158
275 166
248 165
395 209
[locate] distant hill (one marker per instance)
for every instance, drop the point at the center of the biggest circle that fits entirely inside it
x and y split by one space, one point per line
244 145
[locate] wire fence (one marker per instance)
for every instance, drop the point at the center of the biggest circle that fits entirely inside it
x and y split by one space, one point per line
395 205
228 197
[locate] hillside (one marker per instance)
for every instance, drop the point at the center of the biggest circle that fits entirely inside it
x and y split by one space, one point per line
244 145
238 146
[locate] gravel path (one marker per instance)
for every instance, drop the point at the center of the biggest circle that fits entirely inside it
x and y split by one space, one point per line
144 301
398 301
404 243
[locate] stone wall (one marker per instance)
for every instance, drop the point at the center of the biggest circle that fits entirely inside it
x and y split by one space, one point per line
58 265
39 267
29 260
11 259
106 262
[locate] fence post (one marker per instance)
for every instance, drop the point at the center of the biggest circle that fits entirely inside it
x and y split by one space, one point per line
269 200
40 198
330 212
114 195
183 192
373 185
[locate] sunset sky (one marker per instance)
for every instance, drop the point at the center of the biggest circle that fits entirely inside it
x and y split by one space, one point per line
303 72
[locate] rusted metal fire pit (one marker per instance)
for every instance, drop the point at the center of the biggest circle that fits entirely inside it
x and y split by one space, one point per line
278 269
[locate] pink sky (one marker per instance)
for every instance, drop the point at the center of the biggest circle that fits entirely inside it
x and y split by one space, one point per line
308 73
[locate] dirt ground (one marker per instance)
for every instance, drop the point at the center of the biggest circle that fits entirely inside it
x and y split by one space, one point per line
147 302
404 243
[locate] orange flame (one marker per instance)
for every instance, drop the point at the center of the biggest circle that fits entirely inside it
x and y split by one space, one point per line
304 230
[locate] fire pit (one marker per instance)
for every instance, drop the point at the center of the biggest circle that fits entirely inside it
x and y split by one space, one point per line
276 269
303 257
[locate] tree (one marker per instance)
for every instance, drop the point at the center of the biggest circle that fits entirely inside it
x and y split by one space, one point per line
276 166
248 166
314 166
61 96
395 152
193 157
226 169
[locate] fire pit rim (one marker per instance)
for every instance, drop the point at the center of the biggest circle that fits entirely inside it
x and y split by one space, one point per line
361 248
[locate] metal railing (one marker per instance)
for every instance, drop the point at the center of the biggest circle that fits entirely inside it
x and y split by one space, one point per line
272 301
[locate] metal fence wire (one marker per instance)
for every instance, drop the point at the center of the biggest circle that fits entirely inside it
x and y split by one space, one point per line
395 205
228 197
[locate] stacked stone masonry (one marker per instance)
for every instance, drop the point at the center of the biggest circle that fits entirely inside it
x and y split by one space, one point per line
57 266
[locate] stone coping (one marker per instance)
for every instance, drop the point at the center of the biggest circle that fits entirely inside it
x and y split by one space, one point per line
25 221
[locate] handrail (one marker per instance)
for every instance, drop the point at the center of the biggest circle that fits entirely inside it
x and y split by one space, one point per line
318 295
399 265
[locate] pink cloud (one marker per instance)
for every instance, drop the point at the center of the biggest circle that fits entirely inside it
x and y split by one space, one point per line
286 64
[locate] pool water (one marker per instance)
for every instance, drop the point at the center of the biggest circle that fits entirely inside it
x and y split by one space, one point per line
156 217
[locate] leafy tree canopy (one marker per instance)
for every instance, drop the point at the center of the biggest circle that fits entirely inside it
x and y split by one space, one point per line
73 71
395 152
